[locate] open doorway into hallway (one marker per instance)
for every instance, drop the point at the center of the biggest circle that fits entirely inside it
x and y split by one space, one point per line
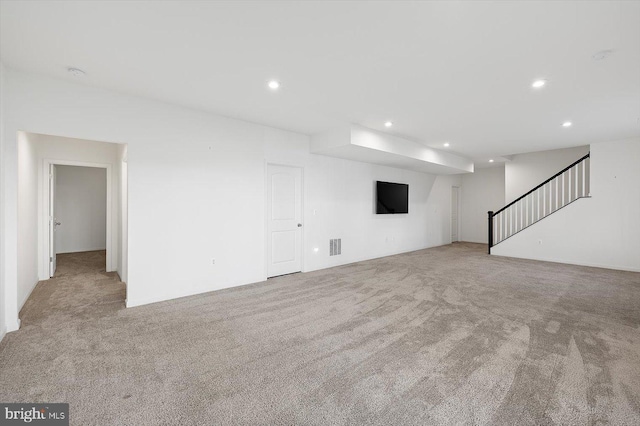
79 210
72 222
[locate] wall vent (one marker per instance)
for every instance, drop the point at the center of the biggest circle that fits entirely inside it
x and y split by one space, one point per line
335 247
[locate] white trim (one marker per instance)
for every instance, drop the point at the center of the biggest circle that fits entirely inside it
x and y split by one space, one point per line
177 293
13 325
572 262
28 293
82 250
450 215
44 214
266 221
8 329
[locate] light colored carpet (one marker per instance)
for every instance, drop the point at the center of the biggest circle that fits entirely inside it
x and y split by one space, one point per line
440 336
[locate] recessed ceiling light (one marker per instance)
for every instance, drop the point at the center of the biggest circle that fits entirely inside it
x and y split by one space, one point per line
567 124
76 72
446 144
491 161
388 124
273 84
538 84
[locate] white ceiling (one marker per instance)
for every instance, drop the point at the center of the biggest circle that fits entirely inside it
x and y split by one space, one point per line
441 71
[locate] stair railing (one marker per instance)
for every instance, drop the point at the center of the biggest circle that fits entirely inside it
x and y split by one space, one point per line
560 190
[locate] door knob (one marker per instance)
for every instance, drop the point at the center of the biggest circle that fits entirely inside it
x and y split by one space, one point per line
57 223
299 225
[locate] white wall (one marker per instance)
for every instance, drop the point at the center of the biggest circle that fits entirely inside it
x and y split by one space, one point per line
9 215
603 230
482 191
3 314
192 183
339 203
525 171
183 165
27 216
81 208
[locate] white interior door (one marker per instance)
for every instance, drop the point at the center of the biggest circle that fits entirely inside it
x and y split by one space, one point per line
284 220
53 223
454 213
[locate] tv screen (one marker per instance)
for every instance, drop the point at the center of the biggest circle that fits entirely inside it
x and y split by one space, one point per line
392 198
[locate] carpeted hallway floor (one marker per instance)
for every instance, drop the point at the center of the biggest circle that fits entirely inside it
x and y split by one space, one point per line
446 335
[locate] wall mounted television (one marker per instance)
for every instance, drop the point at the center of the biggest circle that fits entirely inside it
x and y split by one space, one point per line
392 198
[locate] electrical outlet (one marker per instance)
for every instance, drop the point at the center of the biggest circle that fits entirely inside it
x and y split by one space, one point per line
539 241
213 261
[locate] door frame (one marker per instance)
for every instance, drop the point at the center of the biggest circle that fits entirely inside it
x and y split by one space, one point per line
266 214
53 258
44 213
451 214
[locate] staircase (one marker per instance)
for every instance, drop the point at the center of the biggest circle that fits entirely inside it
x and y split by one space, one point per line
560 190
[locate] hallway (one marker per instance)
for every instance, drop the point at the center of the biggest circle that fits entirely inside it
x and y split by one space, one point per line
81 288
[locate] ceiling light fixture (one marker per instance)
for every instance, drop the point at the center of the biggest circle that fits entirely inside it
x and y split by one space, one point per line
538 84
491 161
273 84
388 124
76 72
567 124
446 144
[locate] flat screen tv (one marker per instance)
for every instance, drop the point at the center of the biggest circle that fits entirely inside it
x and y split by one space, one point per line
392 198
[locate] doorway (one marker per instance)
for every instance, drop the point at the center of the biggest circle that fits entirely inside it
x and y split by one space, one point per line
78 213
284 220
41 157
455 214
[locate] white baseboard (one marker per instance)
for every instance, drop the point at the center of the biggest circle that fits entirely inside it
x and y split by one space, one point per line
13 327
573 262
81 250
22 302
133 302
